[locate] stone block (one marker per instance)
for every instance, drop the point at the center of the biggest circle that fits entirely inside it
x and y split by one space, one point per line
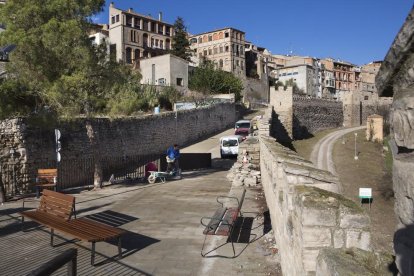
309 257
250 181
305 180
316 237
292 179
350 218
359 239
318 217
339 239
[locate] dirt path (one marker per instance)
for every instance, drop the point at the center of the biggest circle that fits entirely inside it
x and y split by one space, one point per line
368 171
321 154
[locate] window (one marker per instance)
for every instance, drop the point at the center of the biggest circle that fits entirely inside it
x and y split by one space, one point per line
161 81
221 63
117 18
210 52
205 52
226 34
156 43
295 73
210 38
200 40
180 82
161 44
200 55
366 98
128 55
215 50
237 63
227 48
242 65
221 49
113 20
152 42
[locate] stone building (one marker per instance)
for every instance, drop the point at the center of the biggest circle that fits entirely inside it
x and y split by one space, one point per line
165 70
395 78
346 77
134 36
224 47
368 73
301 74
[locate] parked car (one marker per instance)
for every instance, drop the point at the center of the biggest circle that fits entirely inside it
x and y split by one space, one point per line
242 128
229 145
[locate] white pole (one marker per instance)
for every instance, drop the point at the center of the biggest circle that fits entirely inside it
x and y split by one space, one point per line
356 156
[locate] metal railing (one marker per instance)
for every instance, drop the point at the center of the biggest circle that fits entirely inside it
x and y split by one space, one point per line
20 178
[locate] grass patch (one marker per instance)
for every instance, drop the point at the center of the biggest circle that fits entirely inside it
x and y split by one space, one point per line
304 147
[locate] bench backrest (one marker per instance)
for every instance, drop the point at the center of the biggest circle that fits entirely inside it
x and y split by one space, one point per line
46 176
57 204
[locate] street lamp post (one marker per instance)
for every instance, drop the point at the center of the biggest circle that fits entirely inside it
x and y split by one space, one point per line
356 156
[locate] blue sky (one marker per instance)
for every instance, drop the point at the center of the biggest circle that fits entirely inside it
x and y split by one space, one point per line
358 31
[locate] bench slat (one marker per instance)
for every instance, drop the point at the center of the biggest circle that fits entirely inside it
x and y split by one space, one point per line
228 220
214 222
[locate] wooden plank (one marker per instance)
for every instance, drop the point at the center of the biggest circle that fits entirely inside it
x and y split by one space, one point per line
59 195
228 221
47 171
214 222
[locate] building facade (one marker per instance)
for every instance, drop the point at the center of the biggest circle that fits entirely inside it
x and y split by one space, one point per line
165 70
223 47
134 36
302 75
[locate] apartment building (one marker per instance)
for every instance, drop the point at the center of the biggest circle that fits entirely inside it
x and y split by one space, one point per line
135 36
302 74
368 73
224 47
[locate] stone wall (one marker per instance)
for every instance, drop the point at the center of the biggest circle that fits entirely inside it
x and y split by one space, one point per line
307 213
358 106
117 138
396 78
311 115
298 117
256 90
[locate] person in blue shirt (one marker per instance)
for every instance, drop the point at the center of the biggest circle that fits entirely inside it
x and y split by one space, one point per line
173 153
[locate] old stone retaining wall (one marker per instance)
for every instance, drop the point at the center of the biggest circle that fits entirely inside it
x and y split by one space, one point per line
298 117
311 115
307 213
358 106
117 138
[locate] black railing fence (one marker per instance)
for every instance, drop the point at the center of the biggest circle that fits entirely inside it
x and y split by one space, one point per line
20 178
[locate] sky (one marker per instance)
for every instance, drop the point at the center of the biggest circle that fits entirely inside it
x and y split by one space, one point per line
357 31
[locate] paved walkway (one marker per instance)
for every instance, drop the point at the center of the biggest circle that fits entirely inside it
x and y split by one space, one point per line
164 238
321 155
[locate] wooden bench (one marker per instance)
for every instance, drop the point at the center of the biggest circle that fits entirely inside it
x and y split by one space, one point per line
56 210
223 220
45 178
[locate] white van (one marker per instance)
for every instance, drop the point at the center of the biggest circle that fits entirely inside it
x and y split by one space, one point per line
229 145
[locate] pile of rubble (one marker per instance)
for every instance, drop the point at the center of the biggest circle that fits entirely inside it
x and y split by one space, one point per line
246 171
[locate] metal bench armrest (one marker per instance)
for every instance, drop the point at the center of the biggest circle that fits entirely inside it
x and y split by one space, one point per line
226 197
210 219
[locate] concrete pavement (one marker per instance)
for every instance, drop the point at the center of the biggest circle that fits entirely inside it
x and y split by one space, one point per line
164 232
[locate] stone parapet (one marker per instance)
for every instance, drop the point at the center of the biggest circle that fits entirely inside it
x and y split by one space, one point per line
307 212
352 261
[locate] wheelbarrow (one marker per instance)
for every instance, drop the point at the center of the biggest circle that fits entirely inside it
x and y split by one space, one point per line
163 176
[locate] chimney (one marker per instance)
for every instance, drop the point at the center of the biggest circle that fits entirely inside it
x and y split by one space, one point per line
130 10
112 4
160 16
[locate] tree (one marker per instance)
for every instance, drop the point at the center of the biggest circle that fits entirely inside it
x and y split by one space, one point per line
55 63
180 43
208 80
